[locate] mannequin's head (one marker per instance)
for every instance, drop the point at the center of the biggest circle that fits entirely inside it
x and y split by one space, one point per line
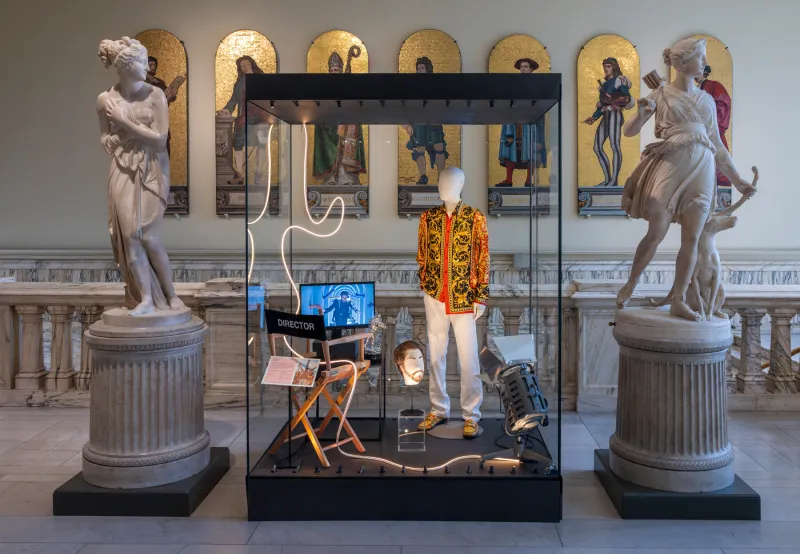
451 183
410 361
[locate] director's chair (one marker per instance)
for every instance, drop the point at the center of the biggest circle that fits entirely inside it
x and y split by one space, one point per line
333 373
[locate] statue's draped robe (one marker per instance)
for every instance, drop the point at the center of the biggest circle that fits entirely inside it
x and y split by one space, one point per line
138 188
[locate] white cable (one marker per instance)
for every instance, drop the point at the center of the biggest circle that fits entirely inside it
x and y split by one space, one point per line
263 210
252 256
297 295
289 229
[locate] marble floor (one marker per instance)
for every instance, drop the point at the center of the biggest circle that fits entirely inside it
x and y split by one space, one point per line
40 449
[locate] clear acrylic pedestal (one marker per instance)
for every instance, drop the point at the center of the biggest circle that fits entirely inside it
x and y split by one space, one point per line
409 437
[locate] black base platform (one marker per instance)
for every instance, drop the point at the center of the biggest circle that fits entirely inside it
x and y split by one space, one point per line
737 502
345 492
76 497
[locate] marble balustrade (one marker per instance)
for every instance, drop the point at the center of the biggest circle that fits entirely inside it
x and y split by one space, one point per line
43 359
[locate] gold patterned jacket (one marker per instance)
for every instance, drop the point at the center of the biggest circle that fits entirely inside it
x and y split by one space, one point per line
466 262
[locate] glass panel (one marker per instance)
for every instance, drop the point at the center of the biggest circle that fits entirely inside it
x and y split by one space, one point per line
524 304
545 267
267 214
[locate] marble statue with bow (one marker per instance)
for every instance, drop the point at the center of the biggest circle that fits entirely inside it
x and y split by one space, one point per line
675 180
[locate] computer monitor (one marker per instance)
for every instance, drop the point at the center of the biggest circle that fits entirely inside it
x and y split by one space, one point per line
344 305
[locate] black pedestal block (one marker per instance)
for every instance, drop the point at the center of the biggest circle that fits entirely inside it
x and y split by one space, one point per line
363 490
736 502
76 497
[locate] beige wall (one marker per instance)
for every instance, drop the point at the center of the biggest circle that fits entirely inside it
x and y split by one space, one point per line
53 172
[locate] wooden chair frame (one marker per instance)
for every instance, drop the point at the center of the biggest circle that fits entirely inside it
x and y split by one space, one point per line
334 372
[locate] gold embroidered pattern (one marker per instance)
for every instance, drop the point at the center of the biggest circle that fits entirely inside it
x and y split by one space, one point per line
467 256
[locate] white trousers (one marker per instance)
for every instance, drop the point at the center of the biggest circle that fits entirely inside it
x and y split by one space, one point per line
467 343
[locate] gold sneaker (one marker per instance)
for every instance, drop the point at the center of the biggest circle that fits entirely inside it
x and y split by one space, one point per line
470 429
431 421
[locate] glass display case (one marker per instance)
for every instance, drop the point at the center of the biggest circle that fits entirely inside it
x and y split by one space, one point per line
344 358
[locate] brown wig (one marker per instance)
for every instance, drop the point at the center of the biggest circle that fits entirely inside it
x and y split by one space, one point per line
403 348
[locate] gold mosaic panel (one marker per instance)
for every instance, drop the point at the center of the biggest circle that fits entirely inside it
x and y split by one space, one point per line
234 46
590 71
260 48
352 50
172 63
502 59
445 55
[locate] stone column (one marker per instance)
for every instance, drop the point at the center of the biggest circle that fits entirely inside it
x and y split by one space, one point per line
146 413
31 368
671 431
88 316
781 378
750 378
61 376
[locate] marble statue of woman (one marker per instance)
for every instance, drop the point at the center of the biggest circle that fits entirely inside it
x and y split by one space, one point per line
676 177
134 123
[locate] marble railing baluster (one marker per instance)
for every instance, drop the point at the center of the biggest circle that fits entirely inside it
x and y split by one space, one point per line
730 370
389 334
418 326
750 378
781 378
88 315
511 319
22 365
61 376
257 349
548 362
482 328
197 311
569 357
8 347
31 366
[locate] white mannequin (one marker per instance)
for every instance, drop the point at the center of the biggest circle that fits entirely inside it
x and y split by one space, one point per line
451 183
440 320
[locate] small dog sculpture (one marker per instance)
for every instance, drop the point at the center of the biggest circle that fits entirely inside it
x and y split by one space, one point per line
707 292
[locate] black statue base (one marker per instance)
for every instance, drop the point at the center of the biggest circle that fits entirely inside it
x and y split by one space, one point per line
76 497
736 502
352 489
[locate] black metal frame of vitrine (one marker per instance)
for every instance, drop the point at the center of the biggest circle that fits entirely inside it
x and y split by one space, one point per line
370 493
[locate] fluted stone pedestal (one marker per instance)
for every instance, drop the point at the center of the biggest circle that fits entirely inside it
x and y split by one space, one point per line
670 457
671 432
146 411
